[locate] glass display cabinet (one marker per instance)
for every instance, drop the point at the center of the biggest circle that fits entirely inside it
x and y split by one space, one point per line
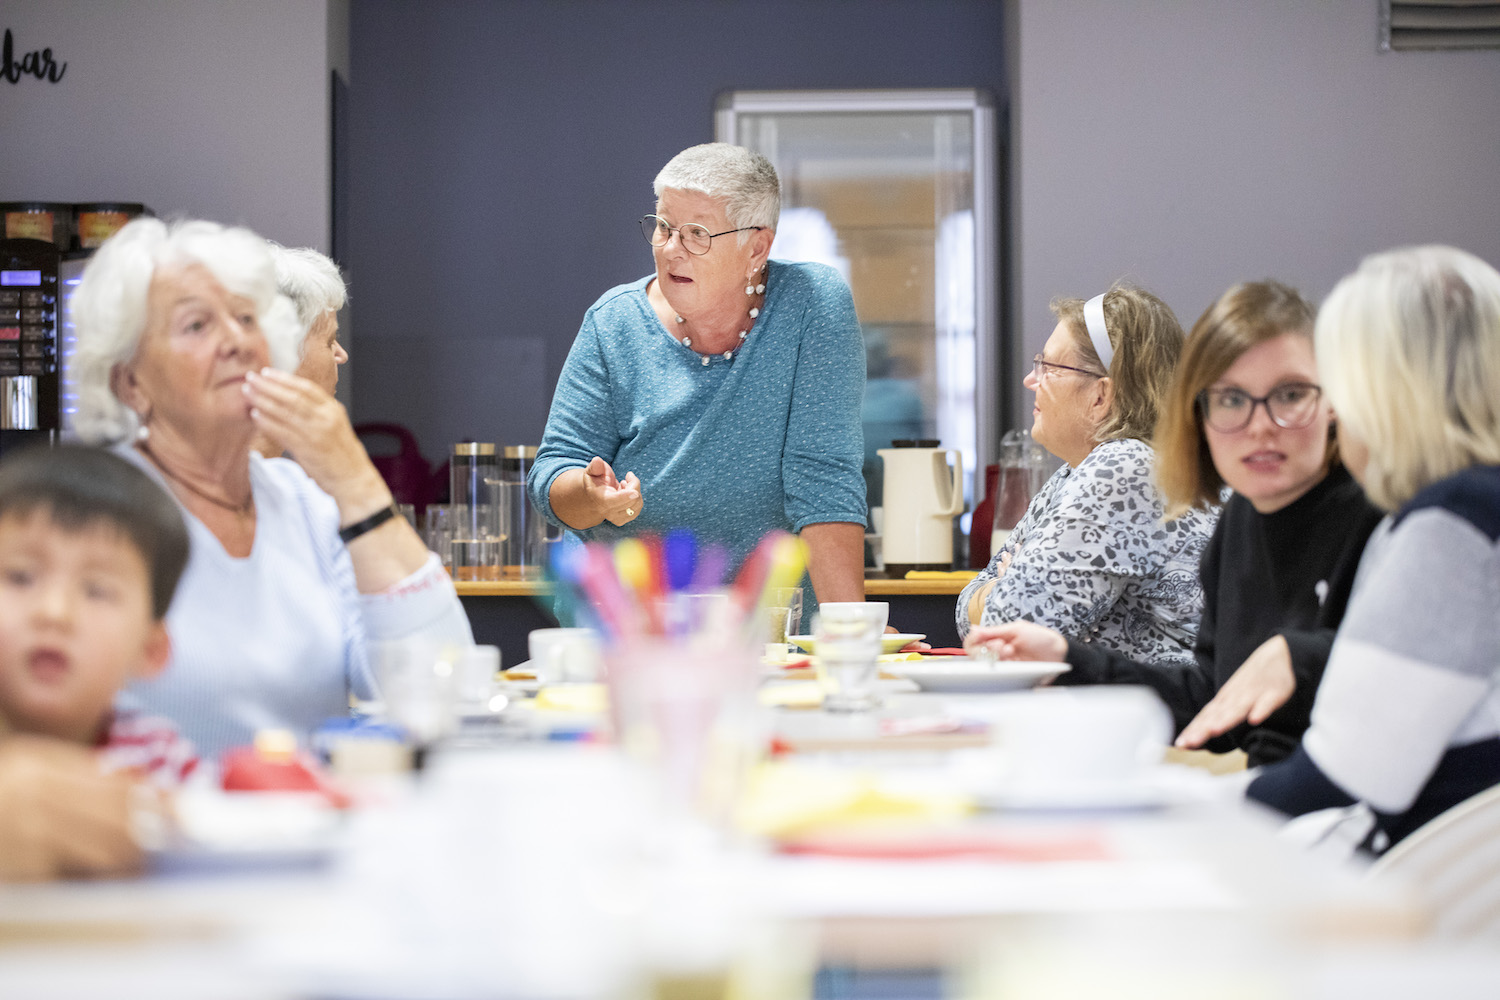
898 190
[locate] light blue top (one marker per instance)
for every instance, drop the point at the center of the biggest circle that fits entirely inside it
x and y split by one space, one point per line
277 639
769 438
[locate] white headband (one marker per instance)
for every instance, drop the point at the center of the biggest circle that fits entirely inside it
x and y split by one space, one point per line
1093 316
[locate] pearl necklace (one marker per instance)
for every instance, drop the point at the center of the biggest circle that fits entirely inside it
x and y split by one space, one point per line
752 289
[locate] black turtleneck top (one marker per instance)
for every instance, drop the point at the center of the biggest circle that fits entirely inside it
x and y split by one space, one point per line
1286 573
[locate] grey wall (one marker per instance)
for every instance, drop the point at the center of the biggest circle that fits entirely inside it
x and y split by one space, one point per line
216 110
1190 145
500 154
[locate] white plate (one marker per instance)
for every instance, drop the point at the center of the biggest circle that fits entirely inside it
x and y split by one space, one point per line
962 674
249 831
889 643
1153 788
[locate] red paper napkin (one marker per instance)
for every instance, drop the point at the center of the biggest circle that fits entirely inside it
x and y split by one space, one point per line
982 845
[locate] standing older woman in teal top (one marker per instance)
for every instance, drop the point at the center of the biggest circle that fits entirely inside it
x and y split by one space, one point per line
720 393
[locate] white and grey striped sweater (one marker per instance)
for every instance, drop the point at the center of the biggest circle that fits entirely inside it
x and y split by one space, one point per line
1407 719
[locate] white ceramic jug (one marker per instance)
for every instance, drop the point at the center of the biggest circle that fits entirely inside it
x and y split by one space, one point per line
923 495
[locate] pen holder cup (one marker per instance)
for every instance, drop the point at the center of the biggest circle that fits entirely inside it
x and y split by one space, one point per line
685 711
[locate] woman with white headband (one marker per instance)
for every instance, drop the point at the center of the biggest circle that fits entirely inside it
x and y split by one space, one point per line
1093 557
1245 412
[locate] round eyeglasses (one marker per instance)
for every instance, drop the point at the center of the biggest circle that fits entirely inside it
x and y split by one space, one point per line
1292 405
694 238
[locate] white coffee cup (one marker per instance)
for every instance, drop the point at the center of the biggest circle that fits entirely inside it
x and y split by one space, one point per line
474 671
1078 736
848 611
565 655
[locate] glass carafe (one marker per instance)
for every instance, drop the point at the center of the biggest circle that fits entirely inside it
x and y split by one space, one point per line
1023 469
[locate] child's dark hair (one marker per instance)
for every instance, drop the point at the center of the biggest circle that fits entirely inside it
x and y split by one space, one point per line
78 487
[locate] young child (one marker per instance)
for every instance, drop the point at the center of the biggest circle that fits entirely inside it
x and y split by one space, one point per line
90 553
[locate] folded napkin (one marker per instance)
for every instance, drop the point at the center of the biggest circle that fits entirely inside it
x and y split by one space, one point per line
918 844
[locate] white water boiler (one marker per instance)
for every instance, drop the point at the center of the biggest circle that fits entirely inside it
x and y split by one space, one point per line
923 494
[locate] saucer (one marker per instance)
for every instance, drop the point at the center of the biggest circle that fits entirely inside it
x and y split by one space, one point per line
959 674
889 643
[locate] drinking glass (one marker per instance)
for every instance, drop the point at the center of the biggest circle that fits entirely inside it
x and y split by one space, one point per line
438 532
476 669
848 650
418 686
783 619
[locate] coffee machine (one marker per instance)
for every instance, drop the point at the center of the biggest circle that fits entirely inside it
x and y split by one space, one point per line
30 348
42 257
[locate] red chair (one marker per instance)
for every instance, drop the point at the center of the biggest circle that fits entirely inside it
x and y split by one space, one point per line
394 451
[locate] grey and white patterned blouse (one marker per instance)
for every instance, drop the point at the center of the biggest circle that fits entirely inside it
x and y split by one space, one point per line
1094 560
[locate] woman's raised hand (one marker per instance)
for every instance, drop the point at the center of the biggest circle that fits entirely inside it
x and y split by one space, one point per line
617 502
1017 641
585 497
304 419
1260 686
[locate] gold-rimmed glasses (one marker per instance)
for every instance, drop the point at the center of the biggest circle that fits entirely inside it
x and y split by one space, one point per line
1040 366
695 239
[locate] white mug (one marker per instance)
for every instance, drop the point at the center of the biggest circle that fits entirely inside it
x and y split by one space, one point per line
1080 735
565 655
848 611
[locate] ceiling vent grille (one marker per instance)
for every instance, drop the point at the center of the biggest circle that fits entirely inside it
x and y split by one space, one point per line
1439 24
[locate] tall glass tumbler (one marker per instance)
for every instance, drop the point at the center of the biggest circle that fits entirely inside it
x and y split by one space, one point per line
523 529
474 469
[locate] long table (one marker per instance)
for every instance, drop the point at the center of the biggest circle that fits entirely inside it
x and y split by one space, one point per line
536 869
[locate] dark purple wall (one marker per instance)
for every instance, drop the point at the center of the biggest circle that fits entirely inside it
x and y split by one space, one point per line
499 153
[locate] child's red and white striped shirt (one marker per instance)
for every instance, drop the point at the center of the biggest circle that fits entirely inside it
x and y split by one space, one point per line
149 745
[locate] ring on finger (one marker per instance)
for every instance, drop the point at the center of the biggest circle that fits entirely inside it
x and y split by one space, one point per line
630 512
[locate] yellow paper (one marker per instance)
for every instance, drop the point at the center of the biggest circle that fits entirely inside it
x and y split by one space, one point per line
791 694
788 799
573 698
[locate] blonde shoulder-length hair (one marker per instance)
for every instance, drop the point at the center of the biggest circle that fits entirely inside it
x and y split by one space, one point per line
1248 314
1409 350
110 307
1146 338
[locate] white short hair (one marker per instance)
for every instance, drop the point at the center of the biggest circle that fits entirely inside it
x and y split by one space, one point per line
744 180
1409 355
109 307
311 281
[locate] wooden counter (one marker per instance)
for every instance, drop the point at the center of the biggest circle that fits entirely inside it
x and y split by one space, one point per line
503 612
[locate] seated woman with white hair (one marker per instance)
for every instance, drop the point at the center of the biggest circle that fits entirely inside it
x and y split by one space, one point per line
294 567
1407 720
316 289
318 292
